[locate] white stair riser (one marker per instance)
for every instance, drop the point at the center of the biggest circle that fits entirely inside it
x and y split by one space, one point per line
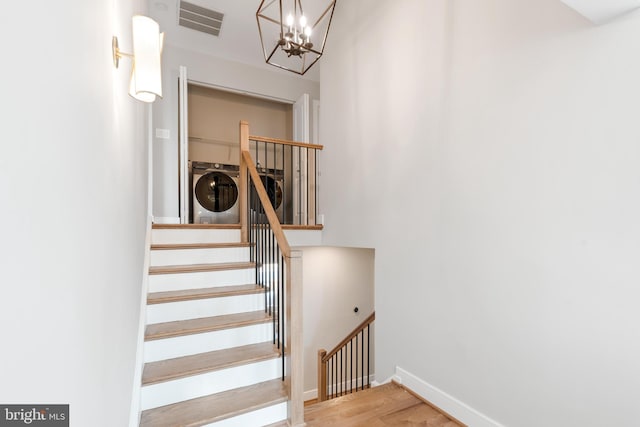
199 280
198 256
170 348
180 236
169 392
183 310
258 418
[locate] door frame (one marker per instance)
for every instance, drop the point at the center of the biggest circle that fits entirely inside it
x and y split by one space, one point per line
183 131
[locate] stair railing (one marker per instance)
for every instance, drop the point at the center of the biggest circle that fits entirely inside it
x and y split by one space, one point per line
347 368
278 269
289 171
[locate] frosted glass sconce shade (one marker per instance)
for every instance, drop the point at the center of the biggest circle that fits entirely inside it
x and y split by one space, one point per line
146 70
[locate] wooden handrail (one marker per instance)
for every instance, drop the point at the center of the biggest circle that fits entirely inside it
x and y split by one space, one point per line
285 142
292 316
349 337
324 357
266 203
244 188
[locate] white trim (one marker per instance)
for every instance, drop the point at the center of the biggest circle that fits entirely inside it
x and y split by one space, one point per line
134 415
388 380
149 162
183 145
301 133
241 92
315 135
315 121
166 220
310 394
313 394
447 403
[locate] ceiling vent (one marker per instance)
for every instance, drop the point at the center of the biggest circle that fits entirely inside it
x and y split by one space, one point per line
199 18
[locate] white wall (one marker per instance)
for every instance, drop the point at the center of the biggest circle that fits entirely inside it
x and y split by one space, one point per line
213 71
73 186
494 170
335 281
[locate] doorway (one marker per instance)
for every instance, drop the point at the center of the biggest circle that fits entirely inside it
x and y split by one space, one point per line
213 143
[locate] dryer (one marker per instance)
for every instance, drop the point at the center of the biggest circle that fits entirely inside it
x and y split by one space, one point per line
273 181
215 193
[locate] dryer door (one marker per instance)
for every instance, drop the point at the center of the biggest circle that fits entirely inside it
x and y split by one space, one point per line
216 192
273 190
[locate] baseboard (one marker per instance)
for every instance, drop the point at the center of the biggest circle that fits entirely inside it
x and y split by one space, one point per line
166 220
313 394
393 378
445 402
134 415
310 395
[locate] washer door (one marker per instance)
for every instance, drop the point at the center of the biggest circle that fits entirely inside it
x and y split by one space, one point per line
273 190
216 192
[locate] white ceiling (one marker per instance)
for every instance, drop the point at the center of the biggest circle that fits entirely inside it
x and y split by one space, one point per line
599 11
238 41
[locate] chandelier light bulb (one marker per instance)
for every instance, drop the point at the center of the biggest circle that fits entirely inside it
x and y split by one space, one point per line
286 32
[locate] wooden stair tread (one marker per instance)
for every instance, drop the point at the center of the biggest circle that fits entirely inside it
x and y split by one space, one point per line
366 394
386 405
180 367
178 246
194 268
204 324
195 226
216 407
362 403
194 294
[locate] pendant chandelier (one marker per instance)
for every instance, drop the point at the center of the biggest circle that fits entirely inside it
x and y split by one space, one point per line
293 38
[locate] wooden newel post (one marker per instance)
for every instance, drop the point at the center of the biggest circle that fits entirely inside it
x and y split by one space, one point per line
244 184
294 344
322 375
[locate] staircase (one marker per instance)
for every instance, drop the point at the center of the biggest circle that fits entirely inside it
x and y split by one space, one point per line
208 352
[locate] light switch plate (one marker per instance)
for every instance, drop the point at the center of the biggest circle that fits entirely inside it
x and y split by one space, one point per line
162 133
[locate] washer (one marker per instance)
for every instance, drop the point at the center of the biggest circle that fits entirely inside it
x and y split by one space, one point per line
273 181
215 193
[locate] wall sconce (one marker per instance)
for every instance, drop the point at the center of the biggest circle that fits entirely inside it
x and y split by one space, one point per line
146 74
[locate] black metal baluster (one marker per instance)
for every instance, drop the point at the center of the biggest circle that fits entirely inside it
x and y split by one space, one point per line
265 248
340 375
331 387
272 280
368 357
357 362
306 220
317 186
335 374
351 358
300 185
362 356
284 188
343 370
280 306
346 371
284 318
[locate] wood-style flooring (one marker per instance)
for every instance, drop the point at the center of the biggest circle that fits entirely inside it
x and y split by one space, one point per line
388 405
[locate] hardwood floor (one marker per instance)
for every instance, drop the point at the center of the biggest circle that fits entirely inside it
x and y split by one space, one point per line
384 406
